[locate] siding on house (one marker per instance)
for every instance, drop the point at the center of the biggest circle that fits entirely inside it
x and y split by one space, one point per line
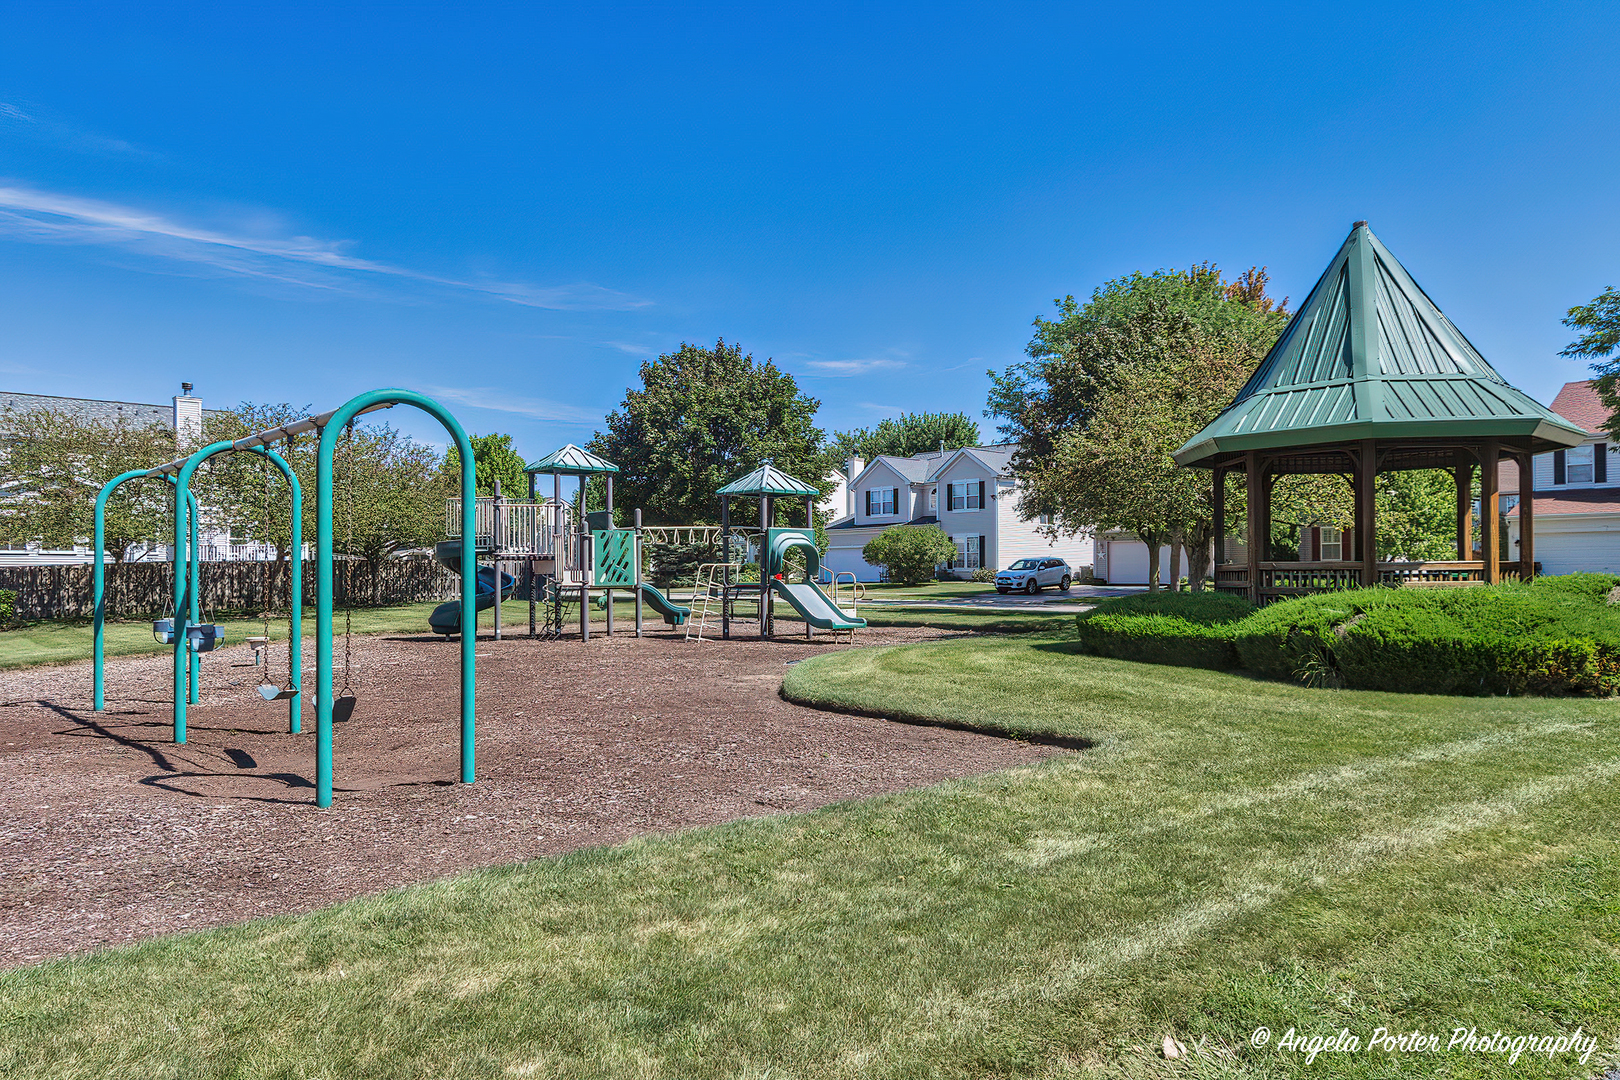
931 474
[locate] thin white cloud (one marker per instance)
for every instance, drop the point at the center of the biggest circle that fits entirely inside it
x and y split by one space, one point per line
847 368
8 367
892 409
46 217
497 400
40 128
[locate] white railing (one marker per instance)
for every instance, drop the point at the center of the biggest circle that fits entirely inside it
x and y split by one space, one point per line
525 527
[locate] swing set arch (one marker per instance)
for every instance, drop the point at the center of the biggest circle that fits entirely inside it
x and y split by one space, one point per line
331 427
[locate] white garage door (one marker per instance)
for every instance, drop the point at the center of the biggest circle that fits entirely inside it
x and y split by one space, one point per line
841 560
1128 563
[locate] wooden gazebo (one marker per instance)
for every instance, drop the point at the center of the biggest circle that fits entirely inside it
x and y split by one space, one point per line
1370 377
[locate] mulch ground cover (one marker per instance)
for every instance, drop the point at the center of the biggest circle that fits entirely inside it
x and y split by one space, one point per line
109 832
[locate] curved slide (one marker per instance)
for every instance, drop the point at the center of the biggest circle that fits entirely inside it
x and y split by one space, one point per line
674 614
446 618
816 607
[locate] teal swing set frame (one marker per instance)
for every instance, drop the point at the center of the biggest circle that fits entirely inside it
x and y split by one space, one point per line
187 658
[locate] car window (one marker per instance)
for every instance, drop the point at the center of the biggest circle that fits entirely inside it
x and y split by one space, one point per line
1024 564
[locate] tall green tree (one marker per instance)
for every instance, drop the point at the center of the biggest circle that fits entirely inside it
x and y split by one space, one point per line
911 433
54 463
1118 471
1600 319
1157 356
703 417
493 459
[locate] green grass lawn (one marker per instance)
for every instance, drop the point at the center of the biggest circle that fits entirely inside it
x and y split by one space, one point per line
57 641
1228 854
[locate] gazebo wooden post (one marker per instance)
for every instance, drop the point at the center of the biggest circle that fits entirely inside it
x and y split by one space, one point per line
1367 511
1218 497
1463 473
1252 490
1527 517
1490 504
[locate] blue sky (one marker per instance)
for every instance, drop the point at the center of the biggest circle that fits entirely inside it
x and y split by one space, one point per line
512 209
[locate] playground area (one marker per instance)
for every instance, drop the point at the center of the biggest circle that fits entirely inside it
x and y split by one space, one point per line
114 833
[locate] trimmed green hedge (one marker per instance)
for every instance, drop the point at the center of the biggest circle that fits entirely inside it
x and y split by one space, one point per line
8 607
1556 636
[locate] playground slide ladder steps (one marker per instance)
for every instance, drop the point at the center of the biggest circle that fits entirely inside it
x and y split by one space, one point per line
713 579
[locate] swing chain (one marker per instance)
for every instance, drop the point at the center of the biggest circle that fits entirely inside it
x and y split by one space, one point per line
348 561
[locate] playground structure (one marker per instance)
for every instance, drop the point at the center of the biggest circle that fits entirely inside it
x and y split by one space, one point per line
570 552
191 637
565 551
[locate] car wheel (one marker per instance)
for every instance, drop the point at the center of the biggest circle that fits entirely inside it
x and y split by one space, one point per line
1065 583
1032 587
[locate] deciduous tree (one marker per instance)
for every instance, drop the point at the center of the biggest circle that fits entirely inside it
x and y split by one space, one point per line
910 553
911 433
702 418
1600 319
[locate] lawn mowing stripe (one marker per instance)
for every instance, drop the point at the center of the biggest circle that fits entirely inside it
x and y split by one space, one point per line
1342 859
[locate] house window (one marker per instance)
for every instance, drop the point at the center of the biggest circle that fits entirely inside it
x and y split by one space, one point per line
1332 544
967 496
1578 464
967 553
933 499
880 502
1043 519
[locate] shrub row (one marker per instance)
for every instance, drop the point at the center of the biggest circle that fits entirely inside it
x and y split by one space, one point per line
1552 637
8 607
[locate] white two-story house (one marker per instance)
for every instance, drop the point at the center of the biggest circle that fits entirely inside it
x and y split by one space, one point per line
969 493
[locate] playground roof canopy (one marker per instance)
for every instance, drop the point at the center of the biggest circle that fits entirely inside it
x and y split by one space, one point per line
768 480
1370 356
571 461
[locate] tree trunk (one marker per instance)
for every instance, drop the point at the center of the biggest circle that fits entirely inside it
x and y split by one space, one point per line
1175 561
1152 541
1198 540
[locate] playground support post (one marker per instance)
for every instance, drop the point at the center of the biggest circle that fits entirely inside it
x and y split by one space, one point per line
609 479
636 554
99 580
187 602
725 557
338 419
496 507
764 578
809 523
528 564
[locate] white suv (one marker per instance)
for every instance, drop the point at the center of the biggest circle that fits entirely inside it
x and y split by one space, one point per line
1033 575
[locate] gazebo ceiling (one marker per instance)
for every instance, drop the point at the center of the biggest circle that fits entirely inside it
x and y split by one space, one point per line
1370 356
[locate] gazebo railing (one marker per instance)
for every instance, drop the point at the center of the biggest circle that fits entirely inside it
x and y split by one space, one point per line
1279 579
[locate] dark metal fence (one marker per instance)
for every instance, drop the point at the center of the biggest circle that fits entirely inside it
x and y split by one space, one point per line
145 589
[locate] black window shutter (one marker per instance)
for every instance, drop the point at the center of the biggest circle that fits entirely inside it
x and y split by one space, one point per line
896 500
982 558
869 502
981 494
1600 463
1558 467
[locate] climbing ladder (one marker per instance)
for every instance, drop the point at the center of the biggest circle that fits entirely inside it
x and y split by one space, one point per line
713 581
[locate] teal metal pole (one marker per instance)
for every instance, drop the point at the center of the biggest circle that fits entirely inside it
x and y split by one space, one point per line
323 570
99 587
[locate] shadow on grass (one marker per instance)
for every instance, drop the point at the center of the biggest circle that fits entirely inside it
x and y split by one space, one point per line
1062 742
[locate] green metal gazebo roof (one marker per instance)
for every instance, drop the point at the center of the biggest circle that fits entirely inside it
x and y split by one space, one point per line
571 461
768 480
1370 356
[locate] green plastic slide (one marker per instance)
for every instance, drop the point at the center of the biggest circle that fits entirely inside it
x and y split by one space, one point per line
816 607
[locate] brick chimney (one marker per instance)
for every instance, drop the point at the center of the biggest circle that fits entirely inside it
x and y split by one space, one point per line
188 417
